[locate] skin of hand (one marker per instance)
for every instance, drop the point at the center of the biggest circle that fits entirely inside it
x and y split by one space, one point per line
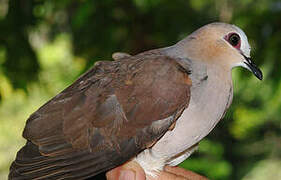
133 171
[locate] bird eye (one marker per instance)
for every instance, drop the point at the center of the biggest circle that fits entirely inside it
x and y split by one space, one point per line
234 40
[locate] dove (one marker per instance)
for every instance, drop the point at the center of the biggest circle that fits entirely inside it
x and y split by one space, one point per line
152 108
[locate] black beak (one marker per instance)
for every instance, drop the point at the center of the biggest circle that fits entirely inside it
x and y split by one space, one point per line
257 72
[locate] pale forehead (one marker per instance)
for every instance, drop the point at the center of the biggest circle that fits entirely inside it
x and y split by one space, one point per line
222 29
245 47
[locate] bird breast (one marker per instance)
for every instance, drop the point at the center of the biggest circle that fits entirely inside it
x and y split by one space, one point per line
211 95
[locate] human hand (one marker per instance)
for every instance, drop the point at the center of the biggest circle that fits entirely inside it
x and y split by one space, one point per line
133 171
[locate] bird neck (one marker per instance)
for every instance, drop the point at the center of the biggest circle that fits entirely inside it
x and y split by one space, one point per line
200 70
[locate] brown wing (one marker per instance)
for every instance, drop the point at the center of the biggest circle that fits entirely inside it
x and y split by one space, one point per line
105 118
120 55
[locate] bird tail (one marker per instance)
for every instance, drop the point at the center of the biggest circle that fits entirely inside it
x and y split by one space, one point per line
30 164
83 164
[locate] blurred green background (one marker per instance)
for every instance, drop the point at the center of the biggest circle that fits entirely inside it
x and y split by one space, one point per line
46 45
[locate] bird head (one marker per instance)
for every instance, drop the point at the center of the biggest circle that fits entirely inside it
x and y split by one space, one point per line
221 44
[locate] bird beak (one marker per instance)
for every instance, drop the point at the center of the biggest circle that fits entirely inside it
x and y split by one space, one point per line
252 67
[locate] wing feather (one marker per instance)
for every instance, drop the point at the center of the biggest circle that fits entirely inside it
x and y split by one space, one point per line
106 117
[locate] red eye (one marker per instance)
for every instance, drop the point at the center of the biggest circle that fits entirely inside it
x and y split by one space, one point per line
234 40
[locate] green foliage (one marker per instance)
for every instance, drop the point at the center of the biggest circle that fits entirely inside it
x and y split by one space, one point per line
46 45
209 161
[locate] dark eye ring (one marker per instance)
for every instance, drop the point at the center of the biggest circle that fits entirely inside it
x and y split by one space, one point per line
234 39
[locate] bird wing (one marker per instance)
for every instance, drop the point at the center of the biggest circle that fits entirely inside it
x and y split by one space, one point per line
110 114
119 55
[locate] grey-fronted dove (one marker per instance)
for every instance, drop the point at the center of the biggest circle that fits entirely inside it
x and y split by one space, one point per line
152 108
